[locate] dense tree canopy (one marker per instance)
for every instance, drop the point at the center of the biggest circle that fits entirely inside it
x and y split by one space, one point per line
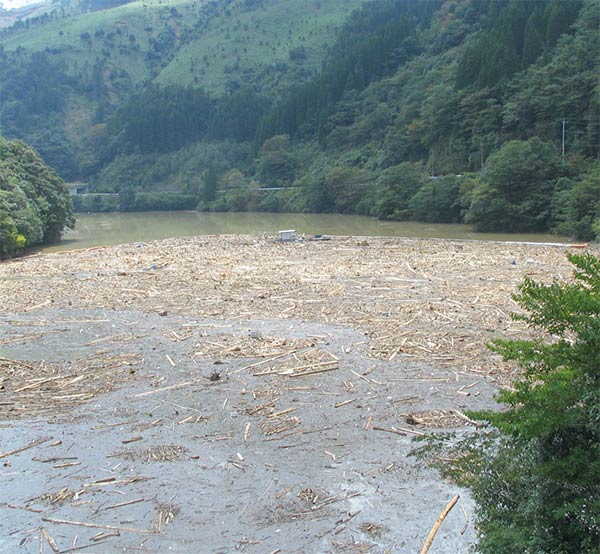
516 188
34 203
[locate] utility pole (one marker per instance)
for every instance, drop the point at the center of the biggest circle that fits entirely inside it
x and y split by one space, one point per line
562 148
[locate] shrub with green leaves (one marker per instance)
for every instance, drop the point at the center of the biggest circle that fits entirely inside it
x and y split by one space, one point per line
536 478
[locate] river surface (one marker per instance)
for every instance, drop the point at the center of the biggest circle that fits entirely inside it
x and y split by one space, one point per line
118 228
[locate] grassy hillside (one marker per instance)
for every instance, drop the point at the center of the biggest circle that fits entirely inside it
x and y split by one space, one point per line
271 45
68 68
122 36
205 44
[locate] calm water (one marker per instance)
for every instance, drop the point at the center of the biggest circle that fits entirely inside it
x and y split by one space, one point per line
118 228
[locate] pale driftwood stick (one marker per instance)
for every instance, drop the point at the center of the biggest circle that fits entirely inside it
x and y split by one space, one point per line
23 448
411 431
180 406
314 371
291 370
84 546
96 525
437 524
50 541
39 382
392 430
31 308
110 425
171 387
282 412
344 403
124 504
104 536
361 377
26 508
310 366
465 418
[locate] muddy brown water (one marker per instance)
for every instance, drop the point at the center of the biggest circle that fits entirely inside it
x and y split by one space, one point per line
118 228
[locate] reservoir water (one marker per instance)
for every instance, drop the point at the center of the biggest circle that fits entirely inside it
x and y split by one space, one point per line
118 228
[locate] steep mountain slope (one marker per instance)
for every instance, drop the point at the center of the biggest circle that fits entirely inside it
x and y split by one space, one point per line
269 44
400 103
80 65
375 111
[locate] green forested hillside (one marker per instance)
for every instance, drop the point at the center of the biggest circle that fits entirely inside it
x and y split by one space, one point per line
481 89
34 203
484 111
63 73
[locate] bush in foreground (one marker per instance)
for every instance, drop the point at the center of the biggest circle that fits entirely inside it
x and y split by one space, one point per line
536 474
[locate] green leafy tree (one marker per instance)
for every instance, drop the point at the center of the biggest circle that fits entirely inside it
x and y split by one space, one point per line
396 186
537 479
516 188
533 43
559 20
577 208
11 241
344 188
211 183
34 202
438 200
276 163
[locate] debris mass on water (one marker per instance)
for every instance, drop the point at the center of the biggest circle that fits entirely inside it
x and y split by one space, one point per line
247 394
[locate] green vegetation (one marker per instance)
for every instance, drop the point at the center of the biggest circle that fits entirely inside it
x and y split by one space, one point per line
515 189
536 474
267 44
65 72
434 110
34 203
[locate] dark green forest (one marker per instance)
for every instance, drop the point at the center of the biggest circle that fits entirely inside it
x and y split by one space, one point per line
478 111
34 202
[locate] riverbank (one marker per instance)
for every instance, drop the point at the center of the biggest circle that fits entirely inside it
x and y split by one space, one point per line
240 393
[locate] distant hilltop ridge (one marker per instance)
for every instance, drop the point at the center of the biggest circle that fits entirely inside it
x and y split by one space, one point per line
12 11
16 4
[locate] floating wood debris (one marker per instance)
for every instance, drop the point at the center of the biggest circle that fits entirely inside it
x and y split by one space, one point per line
253 345
37 387
435 301
158 453
437 419
96 525
249 304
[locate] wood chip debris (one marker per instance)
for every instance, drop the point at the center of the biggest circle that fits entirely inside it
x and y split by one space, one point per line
157 453
36 388
437 301
441 419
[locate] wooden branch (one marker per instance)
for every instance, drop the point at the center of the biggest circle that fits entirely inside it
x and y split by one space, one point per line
26 447
437 524
96 525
